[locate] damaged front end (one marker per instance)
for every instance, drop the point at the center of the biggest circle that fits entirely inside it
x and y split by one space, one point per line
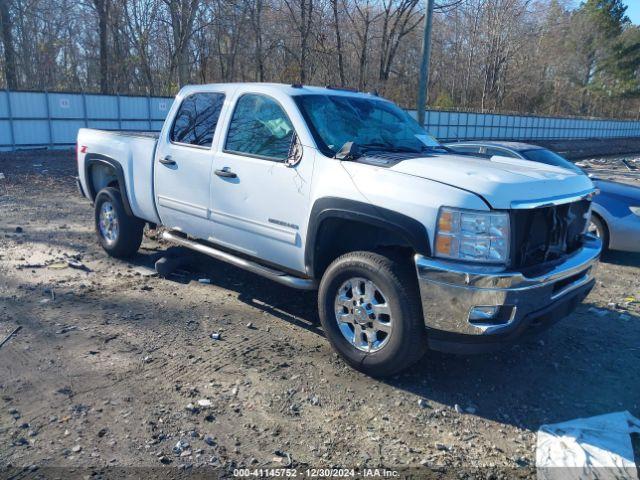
475 308
548 234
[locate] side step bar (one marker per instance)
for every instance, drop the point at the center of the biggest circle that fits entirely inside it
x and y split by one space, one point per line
275 275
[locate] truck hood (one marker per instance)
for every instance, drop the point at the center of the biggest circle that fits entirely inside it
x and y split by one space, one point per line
503 182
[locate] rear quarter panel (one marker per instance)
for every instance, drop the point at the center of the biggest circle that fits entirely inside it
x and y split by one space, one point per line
134 154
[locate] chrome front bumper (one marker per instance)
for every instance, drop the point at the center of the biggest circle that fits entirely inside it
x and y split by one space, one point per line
449 291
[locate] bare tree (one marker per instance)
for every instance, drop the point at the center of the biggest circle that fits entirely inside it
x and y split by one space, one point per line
140 18
102 8
182 14
337 24
399 18
537 56
302 16
256 9
9 48
363 19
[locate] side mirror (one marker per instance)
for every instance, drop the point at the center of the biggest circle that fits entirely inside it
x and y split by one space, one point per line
295 152
348 152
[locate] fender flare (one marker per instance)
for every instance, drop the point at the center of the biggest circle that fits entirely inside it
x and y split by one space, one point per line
410 229
93 159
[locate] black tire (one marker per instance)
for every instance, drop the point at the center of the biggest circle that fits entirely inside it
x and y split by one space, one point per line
406 342
128 238
601 230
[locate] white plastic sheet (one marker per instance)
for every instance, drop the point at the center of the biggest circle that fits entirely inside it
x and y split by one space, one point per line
588 448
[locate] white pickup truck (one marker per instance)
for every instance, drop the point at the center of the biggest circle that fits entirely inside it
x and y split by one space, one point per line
409 245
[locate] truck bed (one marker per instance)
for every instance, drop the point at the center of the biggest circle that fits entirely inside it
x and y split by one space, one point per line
131 133
134 151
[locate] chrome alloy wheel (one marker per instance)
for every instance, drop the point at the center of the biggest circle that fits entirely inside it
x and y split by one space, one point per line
108 222
594 230
363 315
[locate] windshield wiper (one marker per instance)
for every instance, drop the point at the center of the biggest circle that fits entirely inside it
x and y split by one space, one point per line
352 151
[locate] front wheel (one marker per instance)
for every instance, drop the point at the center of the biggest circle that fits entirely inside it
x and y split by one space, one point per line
370 312
119 234
598 228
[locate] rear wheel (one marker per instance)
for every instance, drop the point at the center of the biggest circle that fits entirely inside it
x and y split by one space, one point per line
119 234
370 312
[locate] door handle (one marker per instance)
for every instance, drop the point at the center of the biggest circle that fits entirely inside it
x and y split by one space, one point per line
225 172
167 160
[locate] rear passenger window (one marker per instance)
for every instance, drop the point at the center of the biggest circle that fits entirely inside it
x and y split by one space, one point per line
259 127
500 152
465 149
197 118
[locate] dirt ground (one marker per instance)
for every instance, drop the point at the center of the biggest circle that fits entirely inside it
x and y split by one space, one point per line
116 368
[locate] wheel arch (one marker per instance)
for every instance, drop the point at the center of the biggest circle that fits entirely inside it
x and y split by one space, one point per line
605 224
102 171
337 226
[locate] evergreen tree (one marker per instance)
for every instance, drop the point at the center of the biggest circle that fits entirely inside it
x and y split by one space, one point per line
612 50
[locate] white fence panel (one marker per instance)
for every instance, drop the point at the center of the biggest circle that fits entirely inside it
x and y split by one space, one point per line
48 119
52 119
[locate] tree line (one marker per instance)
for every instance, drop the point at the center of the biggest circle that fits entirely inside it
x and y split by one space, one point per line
527 56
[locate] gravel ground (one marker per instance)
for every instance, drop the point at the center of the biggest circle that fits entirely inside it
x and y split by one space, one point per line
114 368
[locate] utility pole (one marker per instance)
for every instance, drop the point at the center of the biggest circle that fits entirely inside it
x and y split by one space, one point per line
423 84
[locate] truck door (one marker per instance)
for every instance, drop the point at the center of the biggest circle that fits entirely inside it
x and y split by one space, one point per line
260 201
183 165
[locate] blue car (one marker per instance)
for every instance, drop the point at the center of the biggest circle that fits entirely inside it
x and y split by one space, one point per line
615 211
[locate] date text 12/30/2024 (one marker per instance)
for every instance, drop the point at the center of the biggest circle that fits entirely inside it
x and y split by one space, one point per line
314 473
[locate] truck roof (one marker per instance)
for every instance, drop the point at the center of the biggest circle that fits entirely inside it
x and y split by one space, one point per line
288 89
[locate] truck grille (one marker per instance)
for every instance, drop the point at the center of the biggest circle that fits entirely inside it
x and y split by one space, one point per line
549 233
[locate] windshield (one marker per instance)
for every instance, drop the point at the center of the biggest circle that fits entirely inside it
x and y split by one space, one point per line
373 124
542 155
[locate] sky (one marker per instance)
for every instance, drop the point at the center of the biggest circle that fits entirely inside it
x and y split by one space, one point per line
633 10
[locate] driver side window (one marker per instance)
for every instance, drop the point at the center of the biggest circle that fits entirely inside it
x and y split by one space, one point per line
259 128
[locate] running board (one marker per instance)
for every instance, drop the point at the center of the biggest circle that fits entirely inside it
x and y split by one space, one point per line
275 275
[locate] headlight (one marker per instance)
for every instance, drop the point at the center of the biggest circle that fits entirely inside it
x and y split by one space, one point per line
472 235
635 210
